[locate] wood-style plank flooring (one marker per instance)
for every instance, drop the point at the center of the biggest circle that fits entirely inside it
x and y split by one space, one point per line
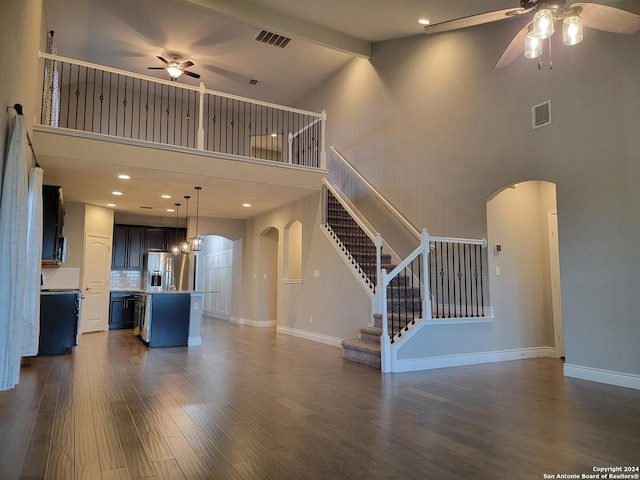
251 404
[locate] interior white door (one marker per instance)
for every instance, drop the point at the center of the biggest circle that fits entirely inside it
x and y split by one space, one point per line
96 282
556 293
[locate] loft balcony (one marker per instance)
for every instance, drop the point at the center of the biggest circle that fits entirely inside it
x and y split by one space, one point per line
96 119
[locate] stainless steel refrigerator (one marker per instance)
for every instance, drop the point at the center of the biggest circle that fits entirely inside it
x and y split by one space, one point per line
162 272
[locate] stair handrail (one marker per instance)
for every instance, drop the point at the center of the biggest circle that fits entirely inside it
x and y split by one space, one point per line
376 193
473 241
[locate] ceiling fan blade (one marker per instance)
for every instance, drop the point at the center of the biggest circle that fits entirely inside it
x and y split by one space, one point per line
515 48
191 74
187 64
475 20
608 19
156 68
166 62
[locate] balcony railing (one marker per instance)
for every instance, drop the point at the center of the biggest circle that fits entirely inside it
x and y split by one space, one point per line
93 98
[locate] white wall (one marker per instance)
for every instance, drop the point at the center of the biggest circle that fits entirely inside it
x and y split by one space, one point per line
431 124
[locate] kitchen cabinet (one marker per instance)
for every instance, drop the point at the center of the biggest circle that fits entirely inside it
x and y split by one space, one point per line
59 313
165 321
122 310
128 247
52 223
155 239
131 241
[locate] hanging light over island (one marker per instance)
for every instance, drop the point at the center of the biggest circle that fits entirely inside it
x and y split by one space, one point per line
196 241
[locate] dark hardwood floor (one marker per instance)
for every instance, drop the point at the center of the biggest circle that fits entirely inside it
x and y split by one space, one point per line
250 404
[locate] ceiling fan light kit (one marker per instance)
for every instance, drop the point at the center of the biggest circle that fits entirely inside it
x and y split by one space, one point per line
533 45
572 31
174 70
529 40
543 23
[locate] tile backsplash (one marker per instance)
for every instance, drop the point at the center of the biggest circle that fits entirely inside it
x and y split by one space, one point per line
126 280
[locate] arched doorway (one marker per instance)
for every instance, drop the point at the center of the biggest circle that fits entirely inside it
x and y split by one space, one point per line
524 263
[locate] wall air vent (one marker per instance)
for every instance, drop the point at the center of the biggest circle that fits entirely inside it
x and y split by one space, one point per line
274 39
541 114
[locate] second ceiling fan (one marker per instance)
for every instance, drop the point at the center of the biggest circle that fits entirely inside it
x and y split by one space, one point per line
175 68
529 40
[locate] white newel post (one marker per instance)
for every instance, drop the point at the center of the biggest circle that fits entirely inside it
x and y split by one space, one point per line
378 301
323 152
290 159
201 118
426 296
385 341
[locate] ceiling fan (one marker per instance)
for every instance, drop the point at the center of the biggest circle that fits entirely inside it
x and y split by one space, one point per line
175 68
529 40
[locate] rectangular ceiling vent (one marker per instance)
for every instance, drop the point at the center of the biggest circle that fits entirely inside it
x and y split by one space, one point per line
274 39
541 114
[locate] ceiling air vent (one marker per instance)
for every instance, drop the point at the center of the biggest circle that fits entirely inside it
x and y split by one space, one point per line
274 39
541 114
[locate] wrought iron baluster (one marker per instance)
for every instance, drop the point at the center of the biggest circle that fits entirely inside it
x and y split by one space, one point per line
481 282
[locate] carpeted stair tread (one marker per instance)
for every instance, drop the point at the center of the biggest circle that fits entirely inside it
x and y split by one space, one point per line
371 330
360 346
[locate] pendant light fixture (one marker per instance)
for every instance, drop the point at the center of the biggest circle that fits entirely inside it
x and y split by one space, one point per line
197 242
175 248
184 245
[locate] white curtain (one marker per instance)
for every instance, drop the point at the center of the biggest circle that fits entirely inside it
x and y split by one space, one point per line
13 235
31 330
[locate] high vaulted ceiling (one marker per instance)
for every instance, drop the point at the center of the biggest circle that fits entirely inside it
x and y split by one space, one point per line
218 36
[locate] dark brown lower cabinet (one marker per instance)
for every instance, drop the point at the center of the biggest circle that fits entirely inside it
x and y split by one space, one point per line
121 310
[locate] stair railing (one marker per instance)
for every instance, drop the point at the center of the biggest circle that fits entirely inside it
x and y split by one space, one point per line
354 237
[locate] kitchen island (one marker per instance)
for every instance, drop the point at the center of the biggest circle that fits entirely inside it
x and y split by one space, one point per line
167 318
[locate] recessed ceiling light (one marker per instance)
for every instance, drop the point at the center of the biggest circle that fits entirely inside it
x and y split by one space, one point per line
165 196
116 193
170 210
247 205
111 204
124 177
424 21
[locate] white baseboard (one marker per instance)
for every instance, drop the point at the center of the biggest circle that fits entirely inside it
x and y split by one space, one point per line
619 379
412 365
253 323
194 341
314 337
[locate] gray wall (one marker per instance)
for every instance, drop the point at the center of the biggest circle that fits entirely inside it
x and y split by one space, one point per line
521 295
438 130
330 306
20 22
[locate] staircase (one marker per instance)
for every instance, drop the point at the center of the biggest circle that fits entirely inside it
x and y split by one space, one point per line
403 298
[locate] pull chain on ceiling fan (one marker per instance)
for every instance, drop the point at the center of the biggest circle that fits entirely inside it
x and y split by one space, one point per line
529 40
